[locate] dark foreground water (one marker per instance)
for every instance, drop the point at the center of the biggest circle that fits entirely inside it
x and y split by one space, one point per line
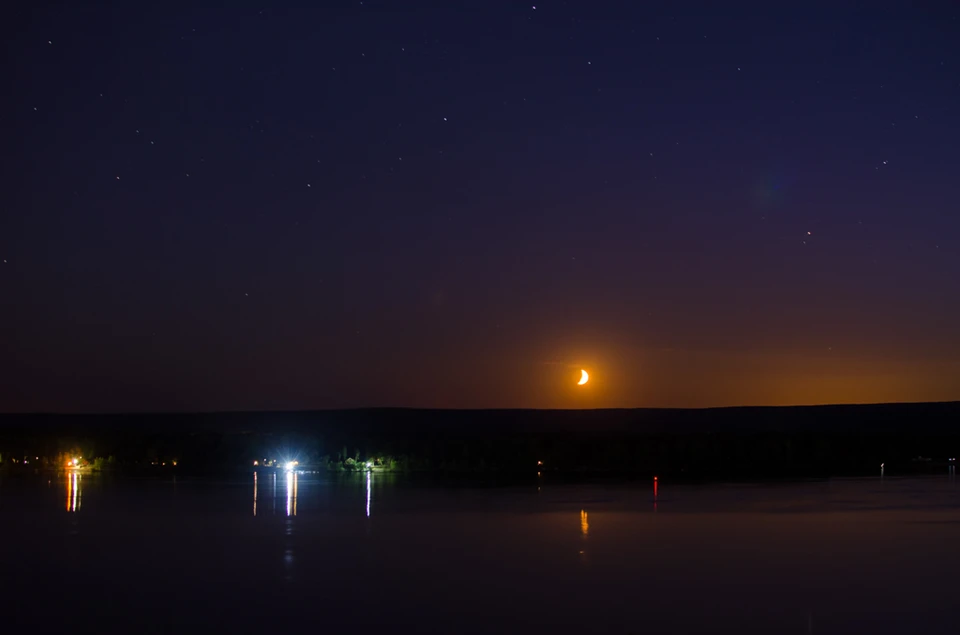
301 553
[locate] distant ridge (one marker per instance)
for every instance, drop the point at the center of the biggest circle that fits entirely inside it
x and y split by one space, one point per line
419 409
830 417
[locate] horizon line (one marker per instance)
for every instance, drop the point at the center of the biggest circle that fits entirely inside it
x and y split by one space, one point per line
497 409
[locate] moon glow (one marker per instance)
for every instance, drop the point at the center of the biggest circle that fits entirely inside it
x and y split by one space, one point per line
584 377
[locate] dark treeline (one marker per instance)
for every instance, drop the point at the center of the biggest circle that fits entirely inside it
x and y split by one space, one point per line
695 444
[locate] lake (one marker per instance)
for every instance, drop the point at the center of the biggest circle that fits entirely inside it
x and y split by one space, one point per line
315 553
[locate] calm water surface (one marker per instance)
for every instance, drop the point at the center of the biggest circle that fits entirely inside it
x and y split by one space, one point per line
308 553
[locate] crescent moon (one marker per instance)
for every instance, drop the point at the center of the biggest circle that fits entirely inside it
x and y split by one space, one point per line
584 377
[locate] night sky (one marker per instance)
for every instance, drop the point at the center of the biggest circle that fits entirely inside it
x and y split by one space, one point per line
462 204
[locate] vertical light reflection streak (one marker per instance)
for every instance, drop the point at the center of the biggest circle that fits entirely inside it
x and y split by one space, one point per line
291 494
73 492
656 492
254 493
369 480
584 524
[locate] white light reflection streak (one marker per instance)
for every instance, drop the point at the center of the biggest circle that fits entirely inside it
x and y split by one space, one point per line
369 481
291 494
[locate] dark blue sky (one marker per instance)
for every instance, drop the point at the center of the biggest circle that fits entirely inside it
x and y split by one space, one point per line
463 203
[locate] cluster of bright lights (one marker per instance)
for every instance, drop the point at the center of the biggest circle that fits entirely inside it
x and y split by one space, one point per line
290 465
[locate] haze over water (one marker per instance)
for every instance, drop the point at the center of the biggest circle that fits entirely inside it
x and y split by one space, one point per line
314 553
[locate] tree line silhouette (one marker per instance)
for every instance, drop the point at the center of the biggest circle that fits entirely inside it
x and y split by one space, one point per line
695 444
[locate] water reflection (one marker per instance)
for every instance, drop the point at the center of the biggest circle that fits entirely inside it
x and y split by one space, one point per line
254 493
291 493
73 491
794 547
369 481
